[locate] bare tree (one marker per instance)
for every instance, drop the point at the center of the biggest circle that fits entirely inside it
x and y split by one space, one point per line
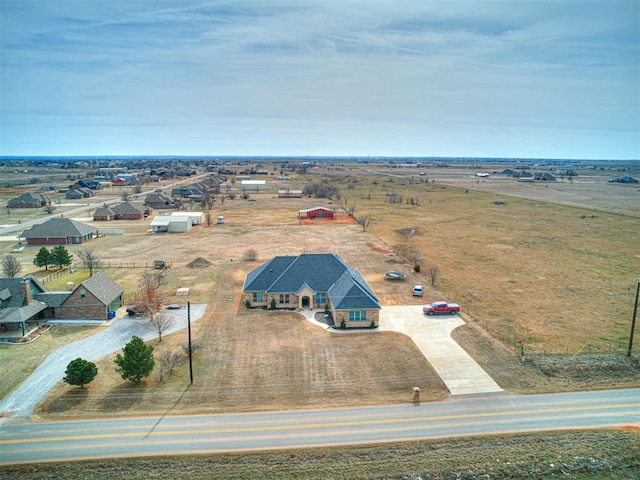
11 266
209 219
195 345
159 322
168 360
434 272
250 255
89 259
416 257
364 222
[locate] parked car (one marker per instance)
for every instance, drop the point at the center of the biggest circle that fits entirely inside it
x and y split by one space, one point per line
418 290
441 307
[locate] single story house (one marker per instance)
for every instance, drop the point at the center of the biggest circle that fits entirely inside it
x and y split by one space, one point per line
253 185
197 218
93 299
29 200
78 193
321 281
158 200
19 310
316 212
171 224
25 303
130 211
86 183
104 214
59 231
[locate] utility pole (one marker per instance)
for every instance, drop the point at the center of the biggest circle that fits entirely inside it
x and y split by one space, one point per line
633 320
189 328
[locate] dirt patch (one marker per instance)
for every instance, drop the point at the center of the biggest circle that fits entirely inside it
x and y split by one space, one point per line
199 263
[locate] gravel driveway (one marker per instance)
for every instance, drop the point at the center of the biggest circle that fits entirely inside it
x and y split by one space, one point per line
23 400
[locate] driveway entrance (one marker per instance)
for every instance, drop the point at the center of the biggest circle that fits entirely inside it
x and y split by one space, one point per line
432 335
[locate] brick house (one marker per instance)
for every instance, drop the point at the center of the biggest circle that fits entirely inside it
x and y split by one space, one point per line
308 281
59 231
30 200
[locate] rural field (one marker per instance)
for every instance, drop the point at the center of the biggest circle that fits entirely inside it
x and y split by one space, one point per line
552 266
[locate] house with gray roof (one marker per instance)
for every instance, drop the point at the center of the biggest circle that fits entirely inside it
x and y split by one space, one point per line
93 299
29 200
122 211
308 281
59 231
25 303
19 308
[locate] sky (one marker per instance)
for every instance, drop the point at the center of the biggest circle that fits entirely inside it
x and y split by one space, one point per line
473 78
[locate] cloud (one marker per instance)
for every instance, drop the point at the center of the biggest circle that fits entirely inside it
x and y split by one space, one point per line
308 77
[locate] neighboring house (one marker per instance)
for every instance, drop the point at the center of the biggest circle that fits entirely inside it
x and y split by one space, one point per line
130 211
104 214
59 231
87 183
93 299
25 303
314 281
171 224
79 192
19 310
29 200
316 212
158 201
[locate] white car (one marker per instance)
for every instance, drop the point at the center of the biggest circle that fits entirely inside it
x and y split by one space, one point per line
418 290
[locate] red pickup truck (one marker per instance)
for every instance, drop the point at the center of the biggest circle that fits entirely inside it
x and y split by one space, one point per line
441 307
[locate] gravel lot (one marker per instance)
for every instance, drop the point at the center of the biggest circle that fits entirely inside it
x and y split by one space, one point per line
23 400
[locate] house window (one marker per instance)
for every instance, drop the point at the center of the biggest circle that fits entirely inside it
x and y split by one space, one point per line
284 298
256 297
321 298
83 293
358 316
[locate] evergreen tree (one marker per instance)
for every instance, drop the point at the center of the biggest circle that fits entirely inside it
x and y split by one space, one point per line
137 361
43 258
80 372
60 256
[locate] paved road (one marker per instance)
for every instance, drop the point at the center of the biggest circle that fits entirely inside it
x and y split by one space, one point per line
25 441
23 400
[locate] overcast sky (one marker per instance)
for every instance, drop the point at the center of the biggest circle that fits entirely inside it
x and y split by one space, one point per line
517 78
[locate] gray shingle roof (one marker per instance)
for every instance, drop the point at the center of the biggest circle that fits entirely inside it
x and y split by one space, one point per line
128 208
321 272
58 228
103 288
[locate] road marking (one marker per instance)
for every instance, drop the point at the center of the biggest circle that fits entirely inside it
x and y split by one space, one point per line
318 425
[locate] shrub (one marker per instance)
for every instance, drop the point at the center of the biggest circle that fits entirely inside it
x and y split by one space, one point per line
247 304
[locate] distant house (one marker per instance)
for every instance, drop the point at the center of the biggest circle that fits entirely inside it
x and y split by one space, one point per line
126 179
316 212
79 192
59 231
130 211
158 201
29 200
311 281
171 224
104 214
87 183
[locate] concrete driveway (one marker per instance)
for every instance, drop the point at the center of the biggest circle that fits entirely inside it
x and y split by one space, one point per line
432 335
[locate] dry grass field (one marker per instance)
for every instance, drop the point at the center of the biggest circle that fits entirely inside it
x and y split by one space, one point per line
559 276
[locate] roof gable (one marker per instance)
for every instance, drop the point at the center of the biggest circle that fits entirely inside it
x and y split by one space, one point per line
102 287
58 228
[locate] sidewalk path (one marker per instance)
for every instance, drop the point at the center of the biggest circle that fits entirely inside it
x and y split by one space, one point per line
432 335
23 400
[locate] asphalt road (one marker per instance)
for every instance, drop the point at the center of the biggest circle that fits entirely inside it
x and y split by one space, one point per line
24 441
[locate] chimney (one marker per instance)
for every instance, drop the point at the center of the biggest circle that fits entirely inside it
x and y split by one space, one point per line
25 290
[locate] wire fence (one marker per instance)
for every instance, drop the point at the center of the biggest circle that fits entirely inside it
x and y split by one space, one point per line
108 264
